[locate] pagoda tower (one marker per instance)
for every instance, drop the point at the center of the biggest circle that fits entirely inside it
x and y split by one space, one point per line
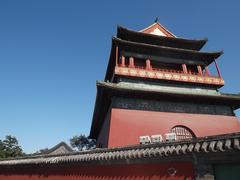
157 83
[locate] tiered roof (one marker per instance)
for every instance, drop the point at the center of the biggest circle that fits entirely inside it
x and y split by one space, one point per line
159 48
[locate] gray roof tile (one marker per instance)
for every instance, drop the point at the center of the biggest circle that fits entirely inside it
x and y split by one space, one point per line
214 144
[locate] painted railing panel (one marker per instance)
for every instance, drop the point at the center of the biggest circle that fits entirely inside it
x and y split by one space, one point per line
168 75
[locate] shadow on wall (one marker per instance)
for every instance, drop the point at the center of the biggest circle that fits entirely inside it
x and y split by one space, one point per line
170 171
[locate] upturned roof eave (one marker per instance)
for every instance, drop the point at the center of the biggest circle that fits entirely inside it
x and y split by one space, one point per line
109 88
193 44
115 86
208 55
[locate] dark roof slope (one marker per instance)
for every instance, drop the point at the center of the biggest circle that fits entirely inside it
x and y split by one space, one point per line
140 37
164 51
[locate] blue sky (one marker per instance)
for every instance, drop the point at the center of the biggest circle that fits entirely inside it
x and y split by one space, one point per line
53 51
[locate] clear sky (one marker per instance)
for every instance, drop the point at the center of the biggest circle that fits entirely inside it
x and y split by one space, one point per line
53 51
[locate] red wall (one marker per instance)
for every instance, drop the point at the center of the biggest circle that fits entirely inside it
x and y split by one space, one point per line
127 125
184 170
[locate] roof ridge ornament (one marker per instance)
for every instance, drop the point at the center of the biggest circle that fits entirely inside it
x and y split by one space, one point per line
158 29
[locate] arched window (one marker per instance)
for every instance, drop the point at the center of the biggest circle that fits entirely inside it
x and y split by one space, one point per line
183 132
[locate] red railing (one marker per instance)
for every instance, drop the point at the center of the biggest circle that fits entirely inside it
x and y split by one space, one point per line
169 71
168 74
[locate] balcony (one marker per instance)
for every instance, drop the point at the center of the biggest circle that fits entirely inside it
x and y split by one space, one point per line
164 74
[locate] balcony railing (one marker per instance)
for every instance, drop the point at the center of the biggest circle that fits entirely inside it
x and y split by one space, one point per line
168 74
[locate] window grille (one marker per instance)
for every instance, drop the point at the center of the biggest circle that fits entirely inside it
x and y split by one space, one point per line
182 132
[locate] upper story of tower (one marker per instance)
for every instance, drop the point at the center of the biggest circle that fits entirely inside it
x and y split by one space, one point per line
157 55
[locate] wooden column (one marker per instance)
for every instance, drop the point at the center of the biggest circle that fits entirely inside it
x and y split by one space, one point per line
199 70
219 74
184 68
131 62
207 73
122 61
116 55
148 65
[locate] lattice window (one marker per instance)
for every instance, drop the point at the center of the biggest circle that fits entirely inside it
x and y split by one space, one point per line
183 132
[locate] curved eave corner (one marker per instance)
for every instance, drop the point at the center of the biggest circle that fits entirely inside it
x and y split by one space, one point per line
98 113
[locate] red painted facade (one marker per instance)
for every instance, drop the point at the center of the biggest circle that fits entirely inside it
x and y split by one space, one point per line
127 125
184 170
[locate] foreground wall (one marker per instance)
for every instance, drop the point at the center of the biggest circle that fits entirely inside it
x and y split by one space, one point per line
169 171
127 125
